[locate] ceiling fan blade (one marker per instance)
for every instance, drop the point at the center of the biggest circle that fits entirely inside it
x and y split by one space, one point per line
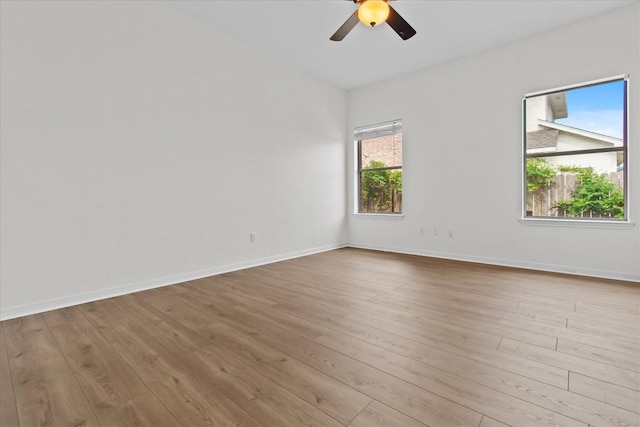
399 25
346 27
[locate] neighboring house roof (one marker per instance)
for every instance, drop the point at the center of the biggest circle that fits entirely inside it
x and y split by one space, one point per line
542 139
617 142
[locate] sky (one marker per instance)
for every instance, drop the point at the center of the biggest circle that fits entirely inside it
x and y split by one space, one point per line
597 108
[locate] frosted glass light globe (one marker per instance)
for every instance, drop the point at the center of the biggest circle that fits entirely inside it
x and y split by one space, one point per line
373 12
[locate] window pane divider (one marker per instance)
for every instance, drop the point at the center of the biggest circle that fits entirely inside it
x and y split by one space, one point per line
388 168
572 152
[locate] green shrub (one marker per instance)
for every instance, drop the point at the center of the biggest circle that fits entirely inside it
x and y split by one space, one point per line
380 190
540 174
597 195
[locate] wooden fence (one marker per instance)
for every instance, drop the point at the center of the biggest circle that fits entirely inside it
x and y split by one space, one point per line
544 202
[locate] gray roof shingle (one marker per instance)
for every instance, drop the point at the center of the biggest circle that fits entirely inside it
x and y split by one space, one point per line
542 139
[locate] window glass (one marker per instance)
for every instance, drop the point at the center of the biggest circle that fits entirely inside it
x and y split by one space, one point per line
575 152
379 151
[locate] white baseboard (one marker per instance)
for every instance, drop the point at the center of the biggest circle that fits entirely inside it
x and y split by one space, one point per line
42 306
602 274
68 301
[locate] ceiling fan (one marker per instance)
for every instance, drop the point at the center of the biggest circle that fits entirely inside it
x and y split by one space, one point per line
372 13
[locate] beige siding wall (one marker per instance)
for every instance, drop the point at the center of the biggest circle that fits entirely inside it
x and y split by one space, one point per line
600 162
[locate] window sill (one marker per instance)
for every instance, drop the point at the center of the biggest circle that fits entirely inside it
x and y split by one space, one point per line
378 215
577 223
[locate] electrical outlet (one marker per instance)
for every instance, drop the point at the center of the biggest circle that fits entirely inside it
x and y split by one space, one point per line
450 233
435 231
252 237
421 231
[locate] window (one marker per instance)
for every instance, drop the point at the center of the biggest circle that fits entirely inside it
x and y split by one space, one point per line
575 152
379 168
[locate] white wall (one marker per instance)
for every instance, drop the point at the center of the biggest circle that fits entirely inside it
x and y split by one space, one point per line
462 152
141 148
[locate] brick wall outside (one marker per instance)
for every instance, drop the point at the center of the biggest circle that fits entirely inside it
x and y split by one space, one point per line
386 149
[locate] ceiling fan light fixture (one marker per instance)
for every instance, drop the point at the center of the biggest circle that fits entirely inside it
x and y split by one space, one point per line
373 12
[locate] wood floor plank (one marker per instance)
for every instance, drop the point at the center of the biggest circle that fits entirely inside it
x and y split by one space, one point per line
607 341
107 381
417 316
598 354
525 389
61 316
379 415
142 410
602 315
576 319
344 338
423 349
603 391
460 311
184 391
472 329
435 330
262 398
513 315
605 331
601 371
46 391
407 346
266 400
489 422
446 385
420 316
415 402
336 399
511 291
8 409
566 288
454 296
472 395
168 378
333 298
619 308
303 280
529 311
133 343
197 400
272 291
332 397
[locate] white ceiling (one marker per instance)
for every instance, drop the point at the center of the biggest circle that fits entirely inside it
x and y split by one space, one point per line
298 31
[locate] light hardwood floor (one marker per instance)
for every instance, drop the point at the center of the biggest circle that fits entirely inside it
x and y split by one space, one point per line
343 338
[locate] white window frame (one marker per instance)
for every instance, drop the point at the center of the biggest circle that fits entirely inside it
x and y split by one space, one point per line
575 221
367 132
